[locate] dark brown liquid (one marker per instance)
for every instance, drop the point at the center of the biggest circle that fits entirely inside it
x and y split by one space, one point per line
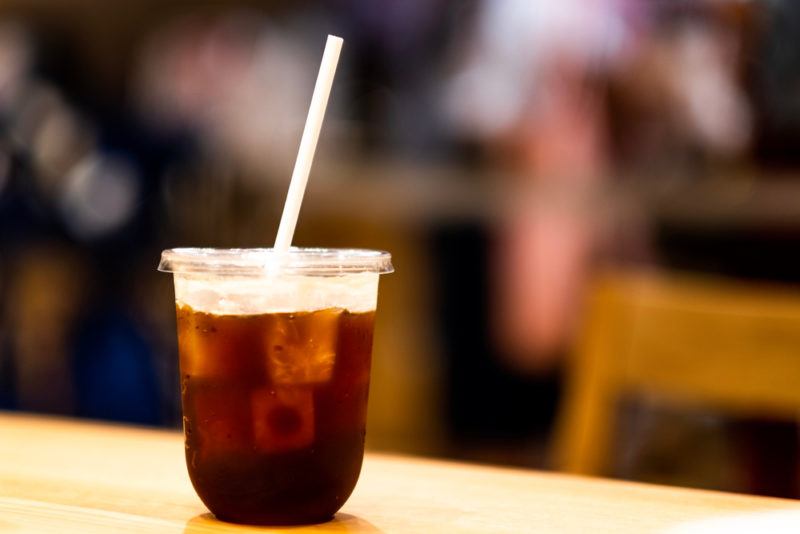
274 411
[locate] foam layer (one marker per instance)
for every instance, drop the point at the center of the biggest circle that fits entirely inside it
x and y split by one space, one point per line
282 293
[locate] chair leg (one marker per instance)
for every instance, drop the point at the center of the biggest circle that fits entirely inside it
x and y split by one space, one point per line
585 430
585 424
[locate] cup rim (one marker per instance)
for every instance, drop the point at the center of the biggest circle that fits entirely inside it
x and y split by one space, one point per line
265 261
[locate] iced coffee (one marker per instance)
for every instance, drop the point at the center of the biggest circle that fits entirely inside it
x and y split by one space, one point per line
275 358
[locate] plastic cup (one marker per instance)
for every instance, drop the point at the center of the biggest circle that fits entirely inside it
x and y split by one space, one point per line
275 350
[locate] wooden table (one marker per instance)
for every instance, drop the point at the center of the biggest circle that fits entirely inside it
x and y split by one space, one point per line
65 476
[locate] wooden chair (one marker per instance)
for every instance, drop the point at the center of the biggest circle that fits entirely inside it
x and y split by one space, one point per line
725 345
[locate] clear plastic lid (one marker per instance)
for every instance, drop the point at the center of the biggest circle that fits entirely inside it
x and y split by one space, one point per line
257 261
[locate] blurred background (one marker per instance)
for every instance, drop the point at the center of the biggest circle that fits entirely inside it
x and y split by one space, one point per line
592 207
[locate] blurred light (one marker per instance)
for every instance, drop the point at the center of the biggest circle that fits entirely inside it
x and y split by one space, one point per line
515 43
14 62
717 109
262 117
56 137
59 141
243 86
477 84
99 196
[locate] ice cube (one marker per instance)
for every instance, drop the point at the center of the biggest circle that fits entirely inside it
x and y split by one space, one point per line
301 347
220 347
283 418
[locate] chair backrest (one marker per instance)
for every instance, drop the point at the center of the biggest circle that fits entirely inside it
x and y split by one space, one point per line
731 346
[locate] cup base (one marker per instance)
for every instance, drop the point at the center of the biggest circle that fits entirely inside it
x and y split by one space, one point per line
275 521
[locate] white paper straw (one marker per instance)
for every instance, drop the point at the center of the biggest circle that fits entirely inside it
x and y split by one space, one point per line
308 143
